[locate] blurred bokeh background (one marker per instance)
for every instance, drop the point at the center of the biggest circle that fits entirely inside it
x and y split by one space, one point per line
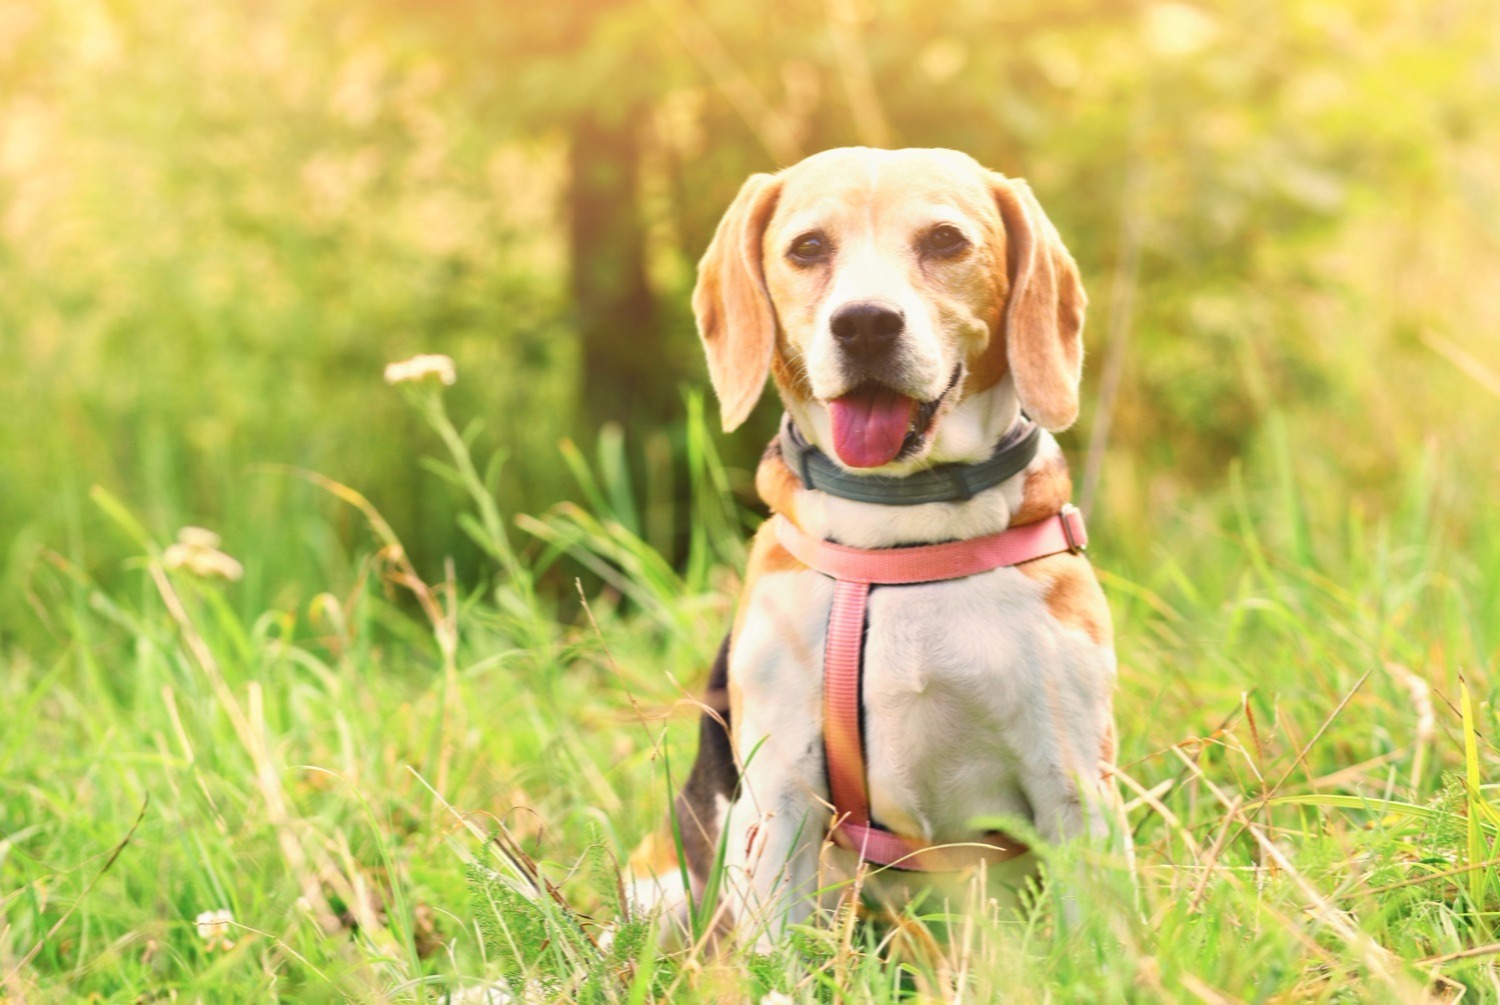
219 220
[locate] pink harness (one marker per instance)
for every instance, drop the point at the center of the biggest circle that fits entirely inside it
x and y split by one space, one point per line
855 571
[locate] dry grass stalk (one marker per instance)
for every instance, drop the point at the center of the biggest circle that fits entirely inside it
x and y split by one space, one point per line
1469 364
1381 963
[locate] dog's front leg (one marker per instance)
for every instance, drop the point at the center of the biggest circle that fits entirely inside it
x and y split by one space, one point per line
775 832
771 870
1070 800
776 826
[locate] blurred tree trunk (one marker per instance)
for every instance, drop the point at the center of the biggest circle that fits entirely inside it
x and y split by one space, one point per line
624 357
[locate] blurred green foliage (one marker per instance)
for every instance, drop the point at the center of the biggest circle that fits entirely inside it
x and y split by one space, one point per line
217 223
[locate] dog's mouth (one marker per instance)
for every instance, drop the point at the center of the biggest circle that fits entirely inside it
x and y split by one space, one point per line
874 424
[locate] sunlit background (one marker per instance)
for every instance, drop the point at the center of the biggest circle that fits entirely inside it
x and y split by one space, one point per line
218 221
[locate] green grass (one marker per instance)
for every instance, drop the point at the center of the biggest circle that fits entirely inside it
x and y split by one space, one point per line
218 221
405 789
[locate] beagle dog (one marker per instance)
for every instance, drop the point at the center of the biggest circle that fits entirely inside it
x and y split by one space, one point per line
922 322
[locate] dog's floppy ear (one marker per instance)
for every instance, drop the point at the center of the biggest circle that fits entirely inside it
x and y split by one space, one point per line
735 318
1044 318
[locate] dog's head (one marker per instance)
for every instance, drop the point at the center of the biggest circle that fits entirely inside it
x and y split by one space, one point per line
908 302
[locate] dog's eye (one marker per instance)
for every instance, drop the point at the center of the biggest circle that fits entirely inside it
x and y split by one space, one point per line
944 241
808 248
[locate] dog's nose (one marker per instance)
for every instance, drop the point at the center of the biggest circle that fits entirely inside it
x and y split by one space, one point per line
867 327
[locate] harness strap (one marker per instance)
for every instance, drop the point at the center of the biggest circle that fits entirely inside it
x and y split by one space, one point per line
855 571
931 563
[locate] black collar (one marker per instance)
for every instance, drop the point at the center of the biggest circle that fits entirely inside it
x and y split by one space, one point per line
941 483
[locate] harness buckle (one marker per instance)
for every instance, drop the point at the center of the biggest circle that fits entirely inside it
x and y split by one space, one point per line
1073 530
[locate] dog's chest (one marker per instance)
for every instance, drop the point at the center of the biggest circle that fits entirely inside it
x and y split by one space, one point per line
965 684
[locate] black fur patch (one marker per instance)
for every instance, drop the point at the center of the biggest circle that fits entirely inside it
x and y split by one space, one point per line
714 774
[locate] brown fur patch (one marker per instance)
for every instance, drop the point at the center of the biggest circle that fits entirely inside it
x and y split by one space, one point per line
736 320
656 855
802 306
1044 313
989 366
774 481
767 555
1047 489
1073 594
791 378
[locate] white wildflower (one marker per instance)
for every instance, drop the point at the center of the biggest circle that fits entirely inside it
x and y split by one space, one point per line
1419 692
198 537
775 998
197 551
214 928
420 368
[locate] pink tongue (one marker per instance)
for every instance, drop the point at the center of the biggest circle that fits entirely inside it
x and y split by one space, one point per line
869 425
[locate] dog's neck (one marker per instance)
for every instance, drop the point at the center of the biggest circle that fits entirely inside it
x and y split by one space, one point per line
938 483
1036 492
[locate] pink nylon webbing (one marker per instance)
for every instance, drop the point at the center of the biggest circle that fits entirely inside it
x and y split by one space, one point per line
855 570
930 563
841 685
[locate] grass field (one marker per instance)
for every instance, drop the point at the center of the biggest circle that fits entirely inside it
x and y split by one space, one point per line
361 776
396 754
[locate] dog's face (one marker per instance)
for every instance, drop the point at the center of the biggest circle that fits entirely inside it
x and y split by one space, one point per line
906 301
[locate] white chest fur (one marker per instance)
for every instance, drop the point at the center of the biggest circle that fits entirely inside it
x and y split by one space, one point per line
976 698
977 701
